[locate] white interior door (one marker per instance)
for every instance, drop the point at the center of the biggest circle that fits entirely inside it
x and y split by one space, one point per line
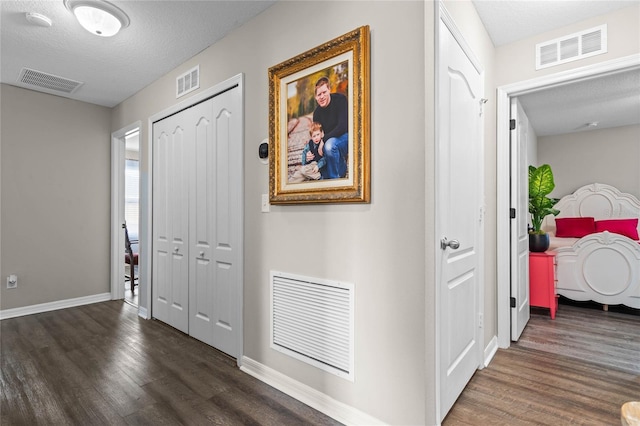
519 234
214 198
171 221
459 216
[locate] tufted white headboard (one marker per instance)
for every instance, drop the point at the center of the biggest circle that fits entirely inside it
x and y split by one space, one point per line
597 200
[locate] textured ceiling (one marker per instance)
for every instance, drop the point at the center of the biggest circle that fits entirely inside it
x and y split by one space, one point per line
508 20
609 101
164 34
161 36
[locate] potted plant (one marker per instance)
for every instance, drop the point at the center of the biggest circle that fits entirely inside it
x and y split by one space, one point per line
540 205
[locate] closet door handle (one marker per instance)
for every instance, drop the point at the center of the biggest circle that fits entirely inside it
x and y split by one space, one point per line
201 254
176 249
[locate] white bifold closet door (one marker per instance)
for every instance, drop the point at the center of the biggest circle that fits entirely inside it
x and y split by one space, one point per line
196 215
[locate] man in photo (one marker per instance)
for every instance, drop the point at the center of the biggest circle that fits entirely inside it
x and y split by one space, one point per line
332 113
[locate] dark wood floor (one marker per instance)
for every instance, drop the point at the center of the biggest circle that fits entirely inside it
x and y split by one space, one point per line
101 364
575 370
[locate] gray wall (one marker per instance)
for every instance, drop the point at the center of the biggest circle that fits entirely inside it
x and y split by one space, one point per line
55 197
380 247
610 156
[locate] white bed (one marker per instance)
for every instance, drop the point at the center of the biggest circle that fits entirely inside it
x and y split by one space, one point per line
604 266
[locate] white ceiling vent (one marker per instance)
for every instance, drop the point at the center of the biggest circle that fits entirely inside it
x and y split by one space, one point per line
188 82
48 83
572 47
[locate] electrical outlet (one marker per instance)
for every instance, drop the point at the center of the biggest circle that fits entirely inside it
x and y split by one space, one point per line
12 281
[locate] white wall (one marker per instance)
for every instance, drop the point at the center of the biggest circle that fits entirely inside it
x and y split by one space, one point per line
380 247
610 156
55 197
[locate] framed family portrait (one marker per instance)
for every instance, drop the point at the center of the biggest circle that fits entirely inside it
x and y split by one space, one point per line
319 124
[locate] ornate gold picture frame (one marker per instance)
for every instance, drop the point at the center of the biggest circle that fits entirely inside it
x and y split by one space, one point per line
319 124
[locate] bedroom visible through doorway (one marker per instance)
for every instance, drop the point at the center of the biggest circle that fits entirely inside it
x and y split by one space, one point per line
132 215
504 96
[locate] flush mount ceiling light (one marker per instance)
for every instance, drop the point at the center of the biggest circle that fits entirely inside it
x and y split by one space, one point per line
98 17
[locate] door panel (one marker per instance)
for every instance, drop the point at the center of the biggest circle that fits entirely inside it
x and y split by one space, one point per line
170 224
161 231
202 284
458 217
178 199
519 234
228 224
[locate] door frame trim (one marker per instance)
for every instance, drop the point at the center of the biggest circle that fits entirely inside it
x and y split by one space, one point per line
117 208
146 193
443 17
504 95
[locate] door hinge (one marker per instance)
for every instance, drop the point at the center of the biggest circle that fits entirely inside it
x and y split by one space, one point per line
512 124
482 102
512 213
513 302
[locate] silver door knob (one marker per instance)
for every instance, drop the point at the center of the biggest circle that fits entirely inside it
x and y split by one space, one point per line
201 254
176 249
453 244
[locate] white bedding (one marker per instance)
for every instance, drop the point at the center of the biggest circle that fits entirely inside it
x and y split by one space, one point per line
557 242
603 267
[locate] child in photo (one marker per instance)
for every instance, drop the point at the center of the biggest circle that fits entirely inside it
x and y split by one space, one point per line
313 161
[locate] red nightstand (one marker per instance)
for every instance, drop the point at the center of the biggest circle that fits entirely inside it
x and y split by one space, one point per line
542 281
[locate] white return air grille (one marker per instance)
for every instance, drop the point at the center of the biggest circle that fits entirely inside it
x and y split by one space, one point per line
572 47
312 320
188 82
47 83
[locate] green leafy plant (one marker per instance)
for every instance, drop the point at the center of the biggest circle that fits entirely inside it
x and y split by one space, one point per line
540 205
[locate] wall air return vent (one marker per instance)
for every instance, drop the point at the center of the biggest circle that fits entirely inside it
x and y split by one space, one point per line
49 83
188 82
569 48
312 321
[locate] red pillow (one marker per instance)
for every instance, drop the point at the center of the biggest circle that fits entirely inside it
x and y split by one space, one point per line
626 227
574 227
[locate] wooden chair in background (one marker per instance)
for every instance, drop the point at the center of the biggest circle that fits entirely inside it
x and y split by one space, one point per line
130 258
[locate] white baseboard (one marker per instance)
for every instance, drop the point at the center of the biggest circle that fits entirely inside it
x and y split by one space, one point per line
307 395
52 306
490 350
142 312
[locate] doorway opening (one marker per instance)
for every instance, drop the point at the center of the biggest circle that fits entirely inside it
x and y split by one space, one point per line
125 207
132 215
504 96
